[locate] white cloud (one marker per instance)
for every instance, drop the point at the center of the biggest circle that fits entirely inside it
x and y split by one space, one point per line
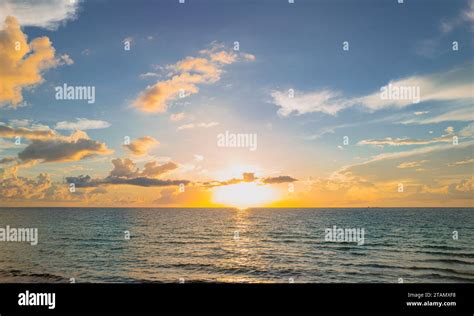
249 57
175 117
192 125
185 78
411 164
417 151
198 157
461 114
465 16
421 113
324 101
142 145
66 59
149 75
48 14
453 85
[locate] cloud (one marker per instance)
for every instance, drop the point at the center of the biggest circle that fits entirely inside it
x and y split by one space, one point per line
207 125
176 117
389 141
86 182
42 188
466 185
128 40
66 59
27 124
462 162
375 182
198 157
13 166
32 134
78 146
7 160
186 74
141 146
153 169
324 101
36 131
412 164
445 138
193 195
464 114
22 68
47 14
126 168
149 75
155 98
434 47
466 16
125 172
453 85
24 188
223 57
249 57
421 113
82 124
416 152
145 182
250 177
279 179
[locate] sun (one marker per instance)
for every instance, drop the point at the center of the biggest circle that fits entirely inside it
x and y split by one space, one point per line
244 195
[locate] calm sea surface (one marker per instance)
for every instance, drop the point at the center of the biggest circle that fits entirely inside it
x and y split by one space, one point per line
224 245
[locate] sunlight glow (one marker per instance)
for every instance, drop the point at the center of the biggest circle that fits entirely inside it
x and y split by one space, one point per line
244 195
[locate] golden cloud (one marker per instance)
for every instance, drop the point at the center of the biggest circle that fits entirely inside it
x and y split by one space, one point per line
187 74
11 132
140 146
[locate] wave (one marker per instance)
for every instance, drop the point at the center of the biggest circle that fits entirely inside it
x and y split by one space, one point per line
18 276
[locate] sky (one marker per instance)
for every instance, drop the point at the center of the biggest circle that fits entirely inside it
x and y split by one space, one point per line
348 103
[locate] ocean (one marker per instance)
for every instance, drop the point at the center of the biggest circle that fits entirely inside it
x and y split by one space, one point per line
410 245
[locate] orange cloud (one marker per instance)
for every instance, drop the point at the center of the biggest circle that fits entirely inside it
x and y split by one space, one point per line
21 64
11 132
140 146
187 74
